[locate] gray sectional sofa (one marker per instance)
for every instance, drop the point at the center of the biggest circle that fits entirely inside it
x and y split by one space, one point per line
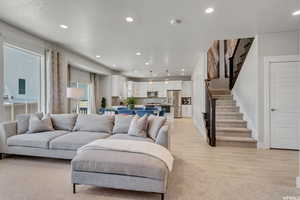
62 142
120 170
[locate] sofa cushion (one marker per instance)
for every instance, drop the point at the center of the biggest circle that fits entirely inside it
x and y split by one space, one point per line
122 123
129 137
23 121
121 163
74 140
154 125
95 123
63 121
40 125
138 126
37 140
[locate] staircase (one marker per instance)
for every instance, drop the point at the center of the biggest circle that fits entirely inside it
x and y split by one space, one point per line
231 129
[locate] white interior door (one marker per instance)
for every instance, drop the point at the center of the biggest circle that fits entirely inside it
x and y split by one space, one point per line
285 105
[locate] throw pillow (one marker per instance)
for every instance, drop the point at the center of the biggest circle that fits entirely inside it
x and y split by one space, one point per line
63 121
23 121
122 123
154 125
40 125
138 126
94 123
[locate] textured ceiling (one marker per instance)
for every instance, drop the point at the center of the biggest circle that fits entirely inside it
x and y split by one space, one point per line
99 27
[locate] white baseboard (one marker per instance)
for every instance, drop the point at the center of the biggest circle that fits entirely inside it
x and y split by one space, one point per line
298 182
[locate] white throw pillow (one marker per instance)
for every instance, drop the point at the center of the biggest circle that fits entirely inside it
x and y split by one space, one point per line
40 125
122 123
154 125
138 126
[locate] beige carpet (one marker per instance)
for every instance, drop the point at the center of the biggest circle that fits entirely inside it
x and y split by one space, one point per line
200 172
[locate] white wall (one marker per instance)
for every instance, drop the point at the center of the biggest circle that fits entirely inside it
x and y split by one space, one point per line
105 84
198 98
1 81
249 88
273 44
245 90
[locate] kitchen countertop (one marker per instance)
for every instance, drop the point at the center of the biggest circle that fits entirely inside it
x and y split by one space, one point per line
158 104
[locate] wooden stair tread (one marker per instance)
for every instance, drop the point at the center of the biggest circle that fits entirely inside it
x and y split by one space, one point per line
235 139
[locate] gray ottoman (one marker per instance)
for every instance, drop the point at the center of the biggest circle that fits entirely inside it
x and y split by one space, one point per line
120 170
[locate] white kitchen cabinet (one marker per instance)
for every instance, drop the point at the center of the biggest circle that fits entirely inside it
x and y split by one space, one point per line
140 89
130 89
187 88
186 110
119 86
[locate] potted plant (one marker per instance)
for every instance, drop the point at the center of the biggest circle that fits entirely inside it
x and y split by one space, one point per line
130 101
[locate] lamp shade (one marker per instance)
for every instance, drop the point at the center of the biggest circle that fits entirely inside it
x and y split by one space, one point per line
75 93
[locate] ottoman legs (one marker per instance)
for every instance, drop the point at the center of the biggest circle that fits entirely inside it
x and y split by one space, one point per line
74 191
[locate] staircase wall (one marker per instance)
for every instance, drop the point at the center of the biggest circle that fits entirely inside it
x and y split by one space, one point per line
198 76
245 90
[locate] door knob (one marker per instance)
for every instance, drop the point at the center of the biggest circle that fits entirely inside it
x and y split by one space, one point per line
273 109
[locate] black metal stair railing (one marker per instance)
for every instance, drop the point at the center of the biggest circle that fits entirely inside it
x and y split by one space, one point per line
238 58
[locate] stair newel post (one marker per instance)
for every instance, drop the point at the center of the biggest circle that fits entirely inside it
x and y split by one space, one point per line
213 122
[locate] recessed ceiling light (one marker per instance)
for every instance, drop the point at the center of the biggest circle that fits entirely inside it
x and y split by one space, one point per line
296 13
138 53
209 10
63 26
98 56
146 63
129 19
175 21
182 70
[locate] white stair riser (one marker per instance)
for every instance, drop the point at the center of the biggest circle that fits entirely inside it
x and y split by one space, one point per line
231 125
237 116
225 103
227 109
233 134
236 144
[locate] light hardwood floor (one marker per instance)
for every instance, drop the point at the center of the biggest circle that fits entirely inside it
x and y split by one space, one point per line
200 172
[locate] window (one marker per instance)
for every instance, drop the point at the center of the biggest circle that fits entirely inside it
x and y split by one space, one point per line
22 81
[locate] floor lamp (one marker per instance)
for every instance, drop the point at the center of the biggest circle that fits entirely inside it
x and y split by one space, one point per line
75 94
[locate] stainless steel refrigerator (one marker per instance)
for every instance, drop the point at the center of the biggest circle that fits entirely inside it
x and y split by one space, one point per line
174 99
